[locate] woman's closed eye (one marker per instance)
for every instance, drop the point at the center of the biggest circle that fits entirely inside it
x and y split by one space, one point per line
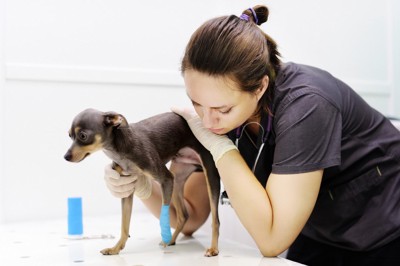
225 110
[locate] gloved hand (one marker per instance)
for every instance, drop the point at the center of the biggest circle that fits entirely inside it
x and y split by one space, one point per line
121 186
218 145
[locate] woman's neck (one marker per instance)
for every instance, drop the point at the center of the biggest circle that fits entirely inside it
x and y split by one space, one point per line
253 125
254 121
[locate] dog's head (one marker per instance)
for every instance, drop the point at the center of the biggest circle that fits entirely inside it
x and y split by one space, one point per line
90 130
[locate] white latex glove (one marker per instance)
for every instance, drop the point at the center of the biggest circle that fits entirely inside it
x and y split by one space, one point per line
218 145
125 185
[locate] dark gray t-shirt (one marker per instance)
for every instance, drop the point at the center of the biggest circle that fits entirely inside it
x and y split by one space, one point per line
321 123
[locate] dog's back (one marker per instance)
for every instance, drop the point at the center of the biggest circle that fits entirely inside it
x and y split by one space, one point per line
158 140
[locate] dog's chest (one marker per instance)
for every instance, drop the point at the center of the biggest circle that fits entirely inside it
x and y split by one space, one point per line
129 167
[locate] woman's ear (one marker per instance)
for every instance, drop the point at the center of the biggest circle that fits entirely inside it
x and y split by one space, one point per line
263 88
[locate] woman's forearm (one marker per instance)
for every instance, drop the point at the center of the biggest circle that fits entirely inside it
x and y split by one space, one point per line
274 216
247 196
263 212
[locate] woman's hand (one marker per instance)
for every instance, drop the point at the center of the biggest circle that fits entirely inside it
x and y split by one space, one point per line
218 145
125 185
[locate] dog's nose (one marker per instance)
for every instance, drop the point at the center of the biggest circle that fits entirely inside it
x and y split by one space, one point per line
68 156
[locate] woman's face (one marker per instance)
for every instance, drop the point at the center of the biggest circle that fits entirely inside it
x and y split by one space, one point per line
218 101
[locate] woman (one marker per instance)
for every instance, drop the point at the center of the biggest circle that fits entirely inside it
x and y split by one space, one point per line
306 162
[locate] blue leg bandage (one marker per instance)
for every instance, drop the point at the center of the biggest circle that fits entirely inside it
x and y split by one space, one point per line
164 224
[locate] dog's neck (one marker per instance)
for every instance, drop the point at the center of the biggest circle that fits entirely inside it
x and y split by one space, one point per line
122 138
119 148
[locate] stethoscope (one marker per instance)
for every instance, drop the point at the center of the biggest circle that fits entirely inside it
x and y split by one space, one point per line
264 137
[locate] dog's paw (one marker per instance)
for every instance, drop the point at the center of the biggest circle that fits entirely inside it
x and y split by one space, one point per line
110 251
163 244
211 252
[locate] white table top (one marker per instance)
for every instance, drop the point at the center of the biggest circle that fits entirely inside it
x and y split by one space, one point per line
45 243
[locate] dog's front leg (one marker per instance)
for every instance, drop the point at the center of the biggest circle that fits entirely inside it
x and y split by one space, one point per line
167 185
126 220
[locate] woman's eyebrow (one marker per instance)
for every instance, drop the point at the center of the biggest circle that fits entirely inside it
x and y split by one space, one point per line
213 107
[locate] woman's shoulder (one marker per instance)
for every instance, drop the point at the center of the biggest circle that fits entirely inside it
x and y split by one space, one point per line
296 80
291 72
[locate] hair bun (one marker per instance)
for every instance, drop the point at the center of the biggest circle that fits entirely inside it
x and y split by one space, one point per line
261 13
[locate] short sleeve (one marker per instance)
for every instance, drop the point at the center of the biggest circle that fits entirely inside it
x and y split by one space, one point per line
308 135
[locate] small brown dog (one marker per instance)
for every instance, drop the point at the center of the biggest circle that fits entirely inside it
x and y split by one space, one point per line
143 149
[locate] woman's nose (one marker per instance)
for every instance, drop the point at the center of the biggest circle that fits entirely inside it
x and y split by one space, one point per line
209 119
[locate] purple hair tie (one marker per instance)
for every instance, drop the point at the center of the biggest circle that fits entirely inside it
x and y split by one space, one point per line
254 14
246 17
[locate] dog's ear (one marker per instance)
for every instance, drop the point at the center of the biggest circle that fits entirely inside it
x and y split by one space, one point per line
115 120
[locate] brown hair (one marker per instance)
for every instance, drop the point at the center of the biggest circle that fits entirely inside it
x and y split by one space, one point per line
238 49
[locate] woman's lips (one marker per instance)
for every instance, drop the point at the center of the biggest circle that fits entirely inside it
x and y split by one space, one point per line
218 131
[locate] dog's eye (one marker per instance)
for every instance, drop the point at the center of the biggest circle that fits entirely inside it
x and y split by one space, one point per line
82 136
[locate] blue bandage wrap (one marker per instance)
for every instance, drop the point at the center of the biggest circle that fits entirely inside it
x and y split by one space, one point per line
164 224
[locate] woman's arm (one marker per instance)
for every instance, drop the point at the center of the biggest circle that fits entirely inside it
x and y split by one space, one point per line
274 216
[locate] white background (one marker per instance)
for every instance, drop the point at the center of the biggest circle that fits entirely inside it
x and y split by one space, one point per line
60 57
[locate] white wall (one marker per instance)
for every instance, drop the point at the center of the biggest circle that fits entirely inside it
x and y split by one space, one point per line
2 85
59 57
395 5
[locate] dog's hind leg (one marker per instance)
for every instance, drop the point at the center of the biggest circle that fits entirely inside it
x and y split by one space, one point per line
181 172
214 187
